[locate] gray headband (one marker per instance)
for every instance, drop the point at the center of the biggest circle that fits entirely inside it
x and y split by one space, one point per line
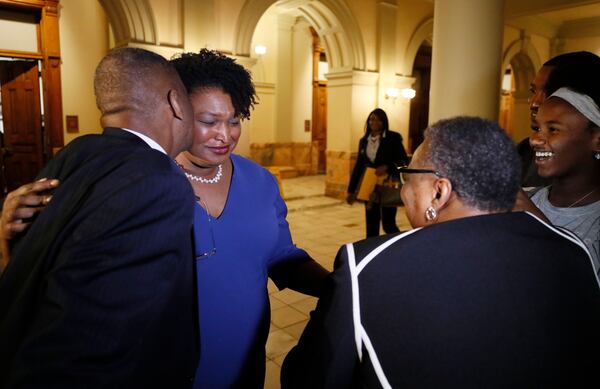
583 103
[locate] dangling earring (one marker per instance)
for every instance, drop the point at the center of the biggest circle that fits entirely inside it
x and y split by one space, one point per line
597 155
431 214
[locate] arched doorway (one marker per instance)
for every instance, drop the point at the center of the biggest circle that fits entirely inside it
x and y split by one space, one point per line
514 106
296 40
419 105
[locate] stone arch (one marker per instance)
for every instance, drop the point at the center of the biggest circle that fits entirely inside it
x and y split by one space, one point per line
522 56
132 21
332 20
423 33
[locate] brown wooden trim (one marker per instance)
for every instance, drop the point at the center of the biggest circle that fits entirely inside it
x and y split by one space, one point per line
23 4
20 54
49 47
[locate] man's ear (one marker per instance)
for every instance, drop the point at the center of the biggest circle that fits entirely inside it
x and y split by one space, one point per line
443 191
175 103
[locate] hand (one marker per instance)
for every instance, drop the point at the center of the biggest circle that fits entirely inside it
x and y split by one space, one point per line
381 170
23 203
523 203
351 198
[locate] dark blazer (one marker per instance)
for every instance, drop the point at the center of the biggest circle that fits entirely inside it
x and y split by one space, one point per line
390 153
100 291
500 300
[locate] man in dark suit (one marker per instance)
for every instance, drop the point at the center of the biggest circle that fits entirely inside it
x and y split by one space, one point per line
99 291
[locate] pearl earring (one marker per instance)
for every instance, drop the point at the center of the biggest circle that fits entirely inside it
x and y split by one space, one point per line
430 214
597 155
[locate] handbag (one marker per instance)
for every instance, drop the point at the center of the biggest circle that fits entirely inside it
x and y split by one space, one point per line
387 194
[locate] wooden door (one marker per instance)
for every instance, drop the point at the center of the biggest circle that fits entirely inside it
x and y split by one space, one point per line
319 106
319 127
22 141
419 105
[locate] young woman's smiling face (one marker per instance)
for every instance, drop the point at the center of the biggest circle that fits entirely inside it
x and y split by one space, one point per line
563 142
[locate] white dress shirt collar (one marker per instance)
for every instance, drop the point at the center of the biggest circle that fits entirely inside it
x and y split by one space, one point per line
151 142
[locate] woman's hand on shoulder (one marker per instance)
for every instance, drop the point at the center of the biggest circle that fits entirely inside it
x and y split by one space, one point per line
22 204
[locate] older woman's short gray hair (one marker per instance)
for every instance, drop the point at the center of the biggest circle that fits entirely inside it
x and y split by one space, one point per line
479 159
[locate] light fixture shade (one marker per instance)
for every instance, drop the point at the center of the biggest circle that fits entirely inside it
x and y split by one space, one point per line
260 49
408 93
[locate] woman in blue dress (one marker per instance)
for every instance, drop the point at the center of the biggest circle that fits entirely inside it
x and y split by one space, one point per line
241 233
242 236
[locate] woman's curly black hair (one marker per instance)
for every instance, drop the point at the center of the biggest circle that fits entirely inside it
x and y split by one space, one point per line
479 159
211 69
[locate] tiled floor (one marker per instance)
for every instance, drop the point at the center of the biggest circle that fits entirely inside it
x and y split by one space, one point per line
319 225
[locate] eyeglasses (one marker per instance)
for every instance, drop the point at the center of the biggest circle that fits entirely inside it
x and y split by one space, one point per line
405 170
209 241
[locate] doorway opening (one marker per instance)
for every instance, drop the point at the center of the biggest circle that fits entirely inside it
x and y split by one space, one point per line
23 151
419 105
319 97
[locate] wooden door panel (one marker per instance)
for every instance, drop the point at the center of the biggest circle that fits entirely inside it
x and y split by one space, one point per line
319 128
23 139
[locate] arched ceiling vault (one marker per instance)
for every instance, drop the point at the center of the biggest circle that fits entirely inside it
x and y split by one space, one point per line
332 19
131 21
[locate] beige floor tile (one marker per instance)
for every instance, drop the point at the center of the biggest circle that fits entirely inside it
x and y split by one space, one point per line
271 287
296 329
275 303
286 316
288 296
279 342
272 375
305 306
279 359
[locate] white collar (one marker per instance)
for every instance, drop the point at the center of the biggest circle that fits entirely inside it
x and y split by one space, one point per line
151 142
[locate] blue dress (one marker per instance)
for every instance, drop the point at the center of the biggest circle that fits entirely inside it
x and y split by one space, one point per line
250 237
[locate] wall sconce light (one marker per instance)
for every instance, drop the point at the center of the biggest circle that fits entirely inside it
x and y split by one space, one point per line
408 93
260 49
392 93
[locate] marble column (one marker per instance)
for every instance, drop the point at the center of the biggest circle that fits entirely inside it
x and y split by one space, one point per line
467 58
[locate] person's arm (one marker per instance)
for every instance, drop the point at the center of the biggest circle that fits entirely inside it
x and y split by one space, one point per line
525 204
358 170
19 207
291 267
303 274
326 355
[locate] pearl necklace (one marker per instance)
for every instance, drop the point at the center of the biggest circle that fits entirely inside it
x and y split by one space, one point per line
203 180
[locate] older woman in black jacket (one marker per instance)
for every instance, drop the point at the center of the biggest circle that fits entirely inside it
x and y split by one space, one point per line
381 149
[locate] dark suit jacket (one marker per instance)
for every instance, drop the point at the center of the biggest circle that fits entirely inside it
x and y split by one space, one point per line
500 300
100 291
391 153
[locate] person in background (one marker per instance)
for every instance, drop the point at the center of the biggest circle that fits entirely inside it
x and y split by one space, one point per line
562 70
567 151
381 149
99 291
475 295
